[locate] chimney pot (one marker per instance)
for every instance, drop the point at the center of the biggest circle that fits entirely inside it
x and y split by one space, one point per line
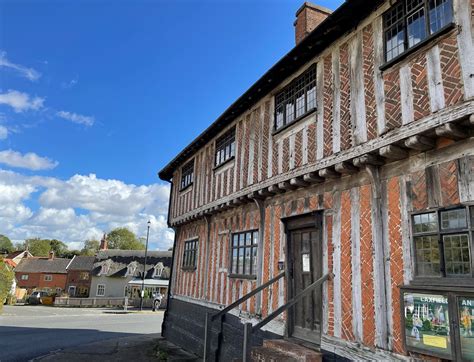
308 18
51 254
103 243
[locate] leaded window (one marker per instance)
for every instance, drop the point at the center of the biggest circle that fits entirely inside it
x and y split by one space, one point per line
297 99
244 254
409 22
190 254
187 174
225 147
443 243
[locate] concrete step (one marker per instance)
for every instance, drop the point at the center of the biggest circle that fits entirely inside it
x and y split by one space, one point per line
265 354
293 350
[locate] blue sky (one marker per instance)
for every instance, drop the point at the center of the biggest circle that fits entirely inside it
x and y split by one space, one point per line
102 94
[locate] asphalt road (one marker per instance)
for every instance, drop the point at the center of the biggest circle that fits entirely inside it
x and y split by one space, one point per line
27 332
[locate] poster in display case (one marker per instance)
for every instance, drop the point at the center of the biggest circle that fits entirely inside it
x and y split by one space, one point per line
427 326
466 333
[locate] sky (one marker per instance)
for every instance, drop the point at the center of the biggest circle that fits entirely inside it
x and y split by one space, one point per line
97 96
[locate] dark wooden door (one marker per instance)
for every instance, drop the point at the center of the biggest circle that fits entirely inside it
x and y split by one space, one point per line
305 268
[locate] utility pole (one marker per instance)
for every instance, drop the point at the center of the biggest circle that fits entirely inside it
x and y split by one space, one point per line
142 294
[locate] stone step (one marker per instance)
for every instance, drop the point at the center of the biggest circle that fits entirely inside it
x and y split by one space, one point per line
265 354
294 350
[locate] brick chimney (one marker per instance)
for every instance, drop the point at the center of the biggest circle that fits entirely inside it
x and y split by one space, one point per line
308 17
51 254
103 243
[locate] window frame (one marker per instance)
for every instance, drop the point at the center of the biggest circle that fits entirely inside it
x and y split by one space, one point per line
253 268
187 170
49 279
83 275
225 140
25 276
443 278
97 291
292 86
429 36
190 254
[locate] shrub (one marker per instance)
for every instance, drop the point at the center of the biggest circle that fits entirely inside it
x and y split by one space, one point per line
6 279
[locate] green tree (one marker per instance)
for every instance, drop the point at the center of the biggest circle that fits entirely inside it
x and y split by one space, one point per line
90 247
38 247
124 239
59 248
6 244
6 279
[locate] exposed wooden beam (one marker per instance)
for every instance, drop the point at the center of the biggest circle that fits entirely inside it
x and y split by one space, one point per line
346 168
452 131
420 143
298 182
254 195
367 159
286 185
265 192
313 178
393 152
329 173
471 119
275 189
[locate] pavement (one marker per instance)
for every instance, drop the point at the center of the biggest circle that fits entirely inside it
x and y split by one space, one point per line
33 332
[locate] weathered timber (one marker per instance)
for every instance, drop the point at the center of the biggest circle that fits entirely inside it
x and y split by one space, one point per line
452 131
298 182
276 189
286 185
393 152
420 143
346 168
368 159
329 173
312 177
265 192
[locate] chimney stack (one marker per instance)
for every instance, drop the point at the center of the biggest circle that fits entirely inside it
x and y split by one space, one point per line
308 18
103 243
51 255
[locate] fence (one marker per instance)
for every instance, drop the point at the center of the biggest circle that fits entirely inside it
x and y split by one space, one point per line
90 302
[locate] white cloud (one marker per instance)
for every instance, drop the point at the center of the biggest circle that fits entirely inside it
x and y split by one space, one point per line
76 118
81 208
30 161
70 84
3 132
25 72
20 101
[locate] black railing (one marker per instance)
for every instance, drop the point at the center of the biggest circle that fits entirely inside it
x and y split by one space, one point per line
249 328
220 314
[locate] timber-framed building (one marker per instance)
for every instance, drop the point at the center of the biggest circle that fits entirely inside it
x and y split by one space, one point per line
350 161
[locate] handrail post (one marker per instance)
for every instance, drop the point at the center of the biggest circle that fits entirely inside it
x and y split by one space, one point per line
206 337
246 344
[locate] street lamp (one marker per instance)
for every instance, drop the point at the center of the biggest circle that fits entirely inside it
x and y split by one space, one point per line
142 294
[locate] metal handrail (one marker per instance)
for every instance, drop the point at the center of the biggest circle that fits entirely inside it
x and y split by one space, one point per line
210 319
249 329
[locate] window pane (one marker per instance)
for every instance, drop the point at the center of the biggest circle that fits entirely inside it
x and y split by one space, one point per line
416 27
242 239
441 14
255 237
427 322
425 223
427 255
235 240
248 258
454 219
248 238
311 98
395 41
456 254
234 260
254 260
241 261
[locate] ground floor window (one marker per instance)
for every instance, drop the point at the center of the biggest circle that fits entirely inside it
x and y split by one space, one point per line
190 254
100 290
244 254
439 323
83 292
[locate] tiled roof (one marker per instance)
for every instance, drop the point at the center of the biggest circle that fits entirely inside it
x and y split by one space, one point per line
42 265
81 263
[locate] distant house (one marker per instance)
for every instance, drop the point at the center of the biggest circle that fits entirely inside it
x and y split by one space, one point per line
14 258
47 274
79 270
117 273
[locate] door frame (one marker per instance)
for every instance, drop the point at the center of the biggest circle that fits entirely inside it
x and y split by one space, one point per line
312 219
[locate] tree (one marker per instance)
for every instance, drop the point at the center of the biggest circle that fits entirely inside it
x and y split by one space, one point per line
38 247
59 248
124 239
91 247
6 244
6 279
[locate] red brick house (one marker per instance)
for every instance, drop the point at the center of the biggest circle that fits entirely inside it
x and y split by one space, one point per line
349 163
48 274
79 276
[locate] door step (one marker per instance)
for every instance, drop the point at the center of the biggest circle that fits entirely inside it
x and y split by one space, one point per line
279 350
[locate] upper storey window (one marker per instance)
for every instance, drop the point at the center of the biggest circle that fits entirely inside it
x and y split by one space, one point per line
409 22
297 99
187 174
225 147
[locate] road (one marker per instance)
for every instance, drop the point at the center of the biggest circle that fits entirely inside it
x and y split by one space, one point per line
27 332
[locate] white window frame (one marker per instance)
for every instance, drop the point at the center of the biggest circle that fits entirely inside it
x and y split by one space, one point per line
24 277
97 292
48 278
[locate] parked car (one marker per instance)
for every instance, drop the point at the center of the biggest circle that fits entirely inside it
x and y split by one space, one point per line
35 297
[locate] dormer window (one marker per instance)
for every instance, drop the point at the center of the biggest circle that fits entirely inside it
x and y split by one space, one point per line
131 269
104 269
187 175
296 100
158 270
